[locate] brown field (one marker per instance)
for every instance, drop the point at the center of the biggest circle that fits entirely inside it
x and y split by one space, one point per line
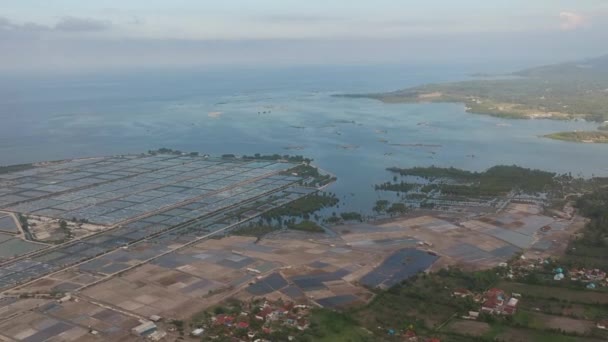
465 327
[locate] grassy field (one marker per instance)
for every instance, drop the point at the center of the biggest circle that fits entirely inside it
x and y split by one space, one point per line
596 137
330 326
563 294
529 335
307 226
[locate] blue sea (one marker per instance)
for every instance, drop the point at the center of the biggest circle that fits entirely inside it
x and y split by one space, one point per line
278 110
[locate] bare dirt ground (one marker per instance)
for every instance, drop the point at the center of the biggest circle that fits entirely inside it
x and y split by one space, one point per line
567 324
45 229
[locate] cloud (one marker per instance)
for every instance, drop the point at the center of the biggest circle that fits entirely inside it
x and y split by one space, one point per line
295 18
73 24
572 21
65 24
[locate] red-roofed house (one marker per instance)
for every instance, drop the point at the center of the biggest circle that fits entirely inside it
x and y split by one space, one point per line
288 307
223 320
410 335
302 324
494 292
242 325
264 313
494 303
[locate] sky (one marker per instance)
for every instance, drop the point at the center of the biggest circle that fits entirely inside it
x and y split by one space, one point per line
83 34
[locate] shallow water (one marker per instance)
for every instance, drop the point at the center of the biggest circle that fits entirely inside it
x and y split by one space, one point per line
216 112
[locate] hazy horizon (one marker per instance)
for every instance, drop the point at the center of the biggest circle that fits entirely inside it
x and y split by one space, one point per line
74 35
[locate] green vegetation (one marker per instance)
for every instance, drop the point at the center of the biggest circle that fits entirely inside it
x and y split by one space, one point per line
496 181
303 207
312 176
434 172
423 303
23 222
327 325
351 216
397 209
397 187
561 91
64 235
164 150
16 168
595 235
426 305
292 159
386 207
306 226
581 136
381 206
179 326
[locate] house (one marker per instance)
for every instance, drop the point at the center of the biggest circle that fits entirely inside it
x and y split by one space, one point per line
65 298
495 302
461 293
302 324
498 294
223 320
287 308
410 336
274 316
144 329
491 305
197 332
267 310
511 306
473 315
242 325
595 274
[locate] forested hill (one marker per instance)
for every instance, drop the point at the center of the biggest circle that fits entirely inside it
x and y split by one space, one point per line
561 91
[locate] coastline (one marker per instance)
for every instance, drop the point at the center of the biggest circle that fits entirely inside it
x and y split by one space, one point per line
585 137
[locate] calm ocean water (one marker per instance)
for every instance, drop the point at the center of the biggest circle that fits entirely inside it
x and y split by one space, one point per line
287 111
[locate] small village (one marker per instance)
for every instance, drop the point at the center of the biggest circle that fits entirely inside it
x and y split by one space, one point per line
259 320
591 278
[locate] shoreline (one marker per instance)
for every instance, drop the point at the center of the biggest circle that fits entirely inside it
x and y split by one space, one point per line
583 137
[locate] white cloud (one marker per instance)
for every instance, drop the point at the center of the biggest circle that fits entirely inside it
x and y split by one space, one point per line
65 24
572 21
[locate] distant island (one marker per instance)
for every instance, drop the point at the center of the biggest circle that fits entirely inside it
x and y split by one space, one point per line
574 90
581 136
562 91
